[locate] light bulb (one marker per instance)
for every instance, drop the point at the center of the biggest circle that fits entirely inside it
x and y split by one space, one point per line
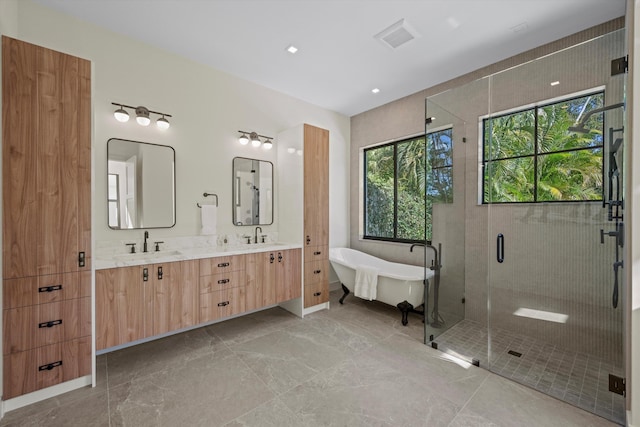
121 115
255 141
163 123
143 121
268 145
243 140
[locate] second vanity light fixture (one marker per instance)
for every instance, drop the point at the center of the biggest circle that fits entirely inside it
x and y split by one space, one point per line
244 139
142 115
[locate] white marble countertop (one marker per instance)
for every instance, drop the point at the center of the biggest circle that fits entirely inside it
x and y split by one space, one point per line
110 260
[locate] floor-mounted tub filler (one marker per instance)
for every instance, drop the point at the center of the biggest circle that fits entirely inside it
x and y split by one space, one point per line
372 278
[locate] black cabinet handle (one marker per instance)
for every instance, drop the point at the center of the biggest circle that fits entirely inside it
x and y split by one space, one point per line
50 323
271 258
308 240
223 281
279 256
223 303
159 273
81 259
317 253
317 271
50 288
500 248
223 264
317 294
49 366
145 274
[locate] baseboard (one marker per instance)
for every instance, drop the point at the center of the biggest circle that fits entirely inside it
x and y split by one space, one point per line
45 393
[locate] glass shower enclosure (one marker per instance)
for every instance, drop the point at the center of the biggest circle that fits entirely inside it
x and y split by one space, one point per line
533 240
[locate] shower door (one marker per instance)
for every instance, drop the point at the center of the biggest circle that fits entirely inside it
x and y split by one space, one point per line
550 178
446 144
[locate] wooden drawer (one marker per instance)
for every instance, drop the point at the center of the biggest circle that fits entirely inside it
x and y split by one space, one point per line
221 304
316 272
222 281
25 328
314 253
42 367
43 289
316 294
222 264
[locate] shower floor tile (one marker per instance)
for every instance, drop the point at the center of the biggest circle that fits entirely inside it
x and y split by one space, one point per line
579 379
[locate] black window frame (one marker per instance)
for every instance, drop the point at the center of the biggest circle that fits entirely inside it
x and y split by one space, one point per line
395 145
536 153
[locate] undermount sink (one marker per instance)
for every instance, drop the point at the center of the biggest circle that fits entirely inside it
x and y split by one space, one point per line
146 255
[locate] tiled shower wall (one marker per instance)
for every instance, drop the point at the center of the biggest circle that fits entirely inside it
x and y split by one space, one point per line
550 246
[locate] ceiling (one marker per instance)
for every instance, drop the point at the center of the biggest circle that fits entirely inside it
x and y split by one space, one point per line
339 61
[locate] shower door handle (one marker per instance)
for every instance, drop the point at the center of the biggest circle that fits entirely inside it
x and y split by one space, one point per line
500 248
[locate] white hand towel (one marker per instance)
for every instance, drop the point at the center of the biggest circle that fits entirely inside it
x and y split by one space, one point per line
366 282
209 215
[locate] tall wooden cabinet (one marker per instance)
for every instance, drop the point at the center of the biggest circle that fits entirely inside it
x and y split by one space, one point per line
46 233
303 178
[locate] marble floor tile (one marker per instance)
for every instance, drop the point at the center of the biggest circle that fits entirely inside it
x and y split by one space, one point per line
353 365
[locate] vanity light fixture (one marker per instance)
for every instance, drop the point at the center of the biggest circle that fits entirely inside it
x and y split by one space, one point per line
142 115
246 136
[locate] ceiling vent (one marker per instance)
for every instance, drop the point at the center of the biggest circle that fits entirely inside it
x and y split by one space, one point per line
397 34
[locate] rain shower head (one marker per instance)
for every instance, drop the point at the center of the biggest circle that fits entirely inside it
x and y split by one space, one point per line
580 127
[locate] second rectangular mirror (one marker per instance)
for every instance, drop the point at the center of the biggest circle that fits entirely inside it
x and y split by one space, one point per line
252 192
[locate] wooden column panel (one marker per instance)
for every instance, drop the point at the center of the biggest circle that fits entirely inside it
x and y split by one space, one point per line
288 275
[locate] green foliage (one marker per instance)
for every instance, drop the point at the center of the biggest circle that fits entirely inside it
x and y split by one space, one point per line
562 165
416 185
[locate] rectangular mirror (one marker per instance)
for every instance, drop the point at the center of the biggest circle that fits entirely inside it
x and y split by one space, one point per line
141 185
252 192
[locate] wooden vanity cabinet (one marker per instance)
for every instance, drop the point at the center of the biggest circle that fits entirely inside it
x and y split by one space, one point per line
222 287
46 233
272 277
137 302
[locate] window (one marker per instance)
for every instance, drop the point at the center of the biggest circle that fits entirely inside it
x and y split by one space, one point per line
533 156
394 199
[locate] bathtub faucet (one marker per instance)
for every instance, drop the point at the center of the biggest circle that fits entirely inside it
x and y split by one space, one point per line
436 264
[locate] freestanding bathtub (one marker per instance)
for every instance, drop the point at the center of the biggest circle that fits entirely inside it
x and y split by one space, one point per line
399 285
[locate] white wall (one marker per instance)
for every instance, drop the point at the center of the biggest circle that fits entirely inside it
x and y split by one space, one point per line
208 108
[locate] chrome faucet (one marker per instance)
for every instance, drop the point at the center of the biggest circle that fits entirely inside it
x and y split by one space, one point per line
255 234
144 246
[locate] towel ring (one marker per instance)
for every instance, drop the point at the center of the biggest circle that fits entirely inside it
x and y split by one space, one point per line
207 195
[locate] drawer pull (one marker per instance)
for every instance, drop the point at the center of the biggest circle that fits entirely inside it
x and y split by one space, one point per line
271 258
159 273
49 366
223 304
223 281
317 294
317 271
317 253
50 323
145 274
50 288
223 264
279 256
81 259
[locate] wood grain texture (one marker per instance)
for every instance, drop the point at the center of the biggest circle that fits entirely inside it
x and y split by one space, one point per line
221 264
21 374
19 207
260 280
221 281
232 302
288 275
316 293
316 185
312 253
175 296
120 306
22 326
44 289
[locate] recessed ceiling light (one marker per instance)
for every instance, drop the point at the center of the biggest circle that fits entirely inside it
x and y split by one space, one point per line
292 49
375 90
556 83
